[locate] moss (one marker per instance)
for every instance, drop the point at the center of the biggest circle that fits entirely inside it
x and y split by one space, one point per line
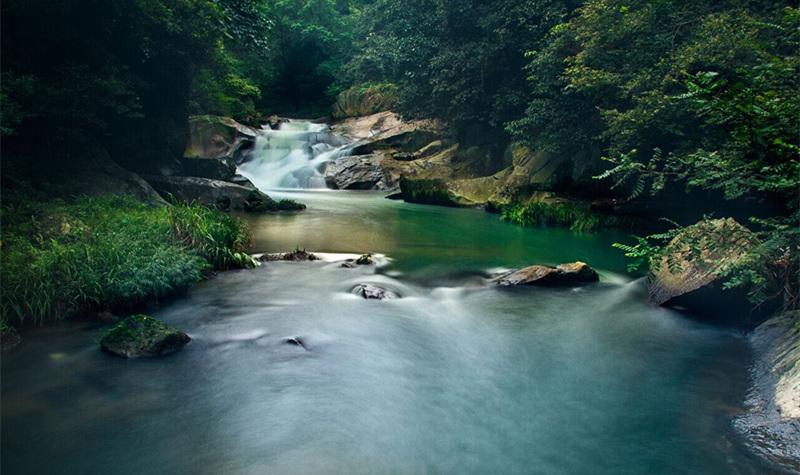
141 335
433 191
258 202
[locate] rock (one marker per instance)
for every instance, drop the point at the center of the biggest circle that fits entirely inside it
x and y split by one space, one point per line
365 260
296 255
772 421
214 168
429 191
563 274
405 139
373 292
273 121
357 173
9 338
216 137
140 335
688 273
348 265
220 194
243 181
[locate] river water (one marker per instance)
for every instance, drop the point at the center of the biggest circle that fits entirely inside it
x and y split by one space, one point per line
453 377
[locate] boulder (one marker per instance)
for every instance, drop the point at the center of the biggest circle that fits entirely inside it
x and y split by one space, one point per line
373 292
143 336
430 191
220 194
216 137
214 168
357 173
241 180
688 273
563 274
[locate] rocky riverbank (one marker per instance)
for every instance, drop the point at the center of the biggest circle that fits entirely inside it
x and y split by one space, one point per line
772 422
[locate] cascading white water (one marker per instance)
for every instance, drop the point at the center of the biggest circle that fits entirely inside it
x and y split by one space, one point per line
292 156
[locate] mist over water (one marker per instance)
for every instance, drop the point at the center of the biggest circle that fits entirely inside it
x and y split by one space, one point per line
292 156
453 377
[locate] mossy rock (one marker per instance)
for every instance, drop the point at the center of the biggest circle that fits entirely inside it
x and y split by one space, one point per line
142 336
432 192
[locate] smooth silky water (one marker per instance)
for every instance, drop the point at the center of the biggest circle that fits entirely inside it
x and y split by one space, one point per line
454 377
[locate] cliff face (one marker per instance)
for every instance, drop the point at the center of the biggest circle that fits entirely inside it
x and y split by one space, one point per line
772 422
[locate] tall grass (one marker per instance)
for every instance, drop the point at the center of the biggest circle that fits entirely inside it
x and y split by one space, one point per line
61 259
575 216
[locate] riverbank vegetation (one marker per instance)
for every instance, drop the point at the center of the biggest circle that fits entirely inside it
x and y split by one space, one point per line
634 100
63 259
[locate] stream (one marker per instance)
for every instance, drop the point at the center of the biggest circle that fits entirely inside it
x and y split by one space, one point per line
453 377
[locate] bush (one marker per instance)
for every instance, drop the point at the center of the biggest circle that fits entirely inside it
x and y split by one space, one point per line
60 259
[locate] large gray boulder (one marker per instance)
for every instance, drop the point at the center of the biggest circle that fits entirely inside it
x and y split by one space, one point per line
140 336
563 274
363 172
219 194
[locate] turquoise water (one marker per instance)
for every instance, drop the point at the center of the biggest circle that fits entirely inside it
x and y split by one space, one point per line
453 377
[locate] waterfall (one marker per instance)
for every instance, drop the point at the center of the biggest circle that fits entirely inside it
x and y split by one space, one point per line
293 156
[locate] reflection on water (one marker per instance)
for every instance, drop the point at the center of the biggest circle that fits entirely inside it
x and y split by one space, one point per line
451 378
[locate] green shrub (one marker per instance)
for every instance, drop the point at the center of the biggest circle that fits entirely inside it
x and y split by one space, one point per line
60 259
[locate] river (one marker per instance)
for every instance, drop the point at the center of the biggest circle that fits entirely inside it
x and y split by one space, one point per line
453 377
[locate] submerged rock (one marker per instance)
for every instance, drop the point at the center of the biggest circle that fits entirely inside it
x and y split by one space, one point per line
295 341
563 274
373 292
140 335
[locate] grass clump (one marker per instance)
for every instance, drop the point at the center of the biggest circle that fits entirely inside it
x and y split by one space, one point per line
60 259
578 217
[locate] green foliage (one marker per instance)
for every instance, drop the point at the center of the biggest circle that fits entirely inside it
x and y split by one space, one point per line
60 259
577 217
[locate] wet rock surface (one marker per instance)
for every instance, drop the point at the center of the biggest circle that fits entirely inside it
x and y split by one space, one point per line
374 292
142 336
563 274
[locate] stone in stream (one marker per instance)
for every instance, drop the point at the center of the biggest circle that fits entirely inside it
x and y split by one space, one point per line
373 292
295 341
140 335
563 274
365 260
